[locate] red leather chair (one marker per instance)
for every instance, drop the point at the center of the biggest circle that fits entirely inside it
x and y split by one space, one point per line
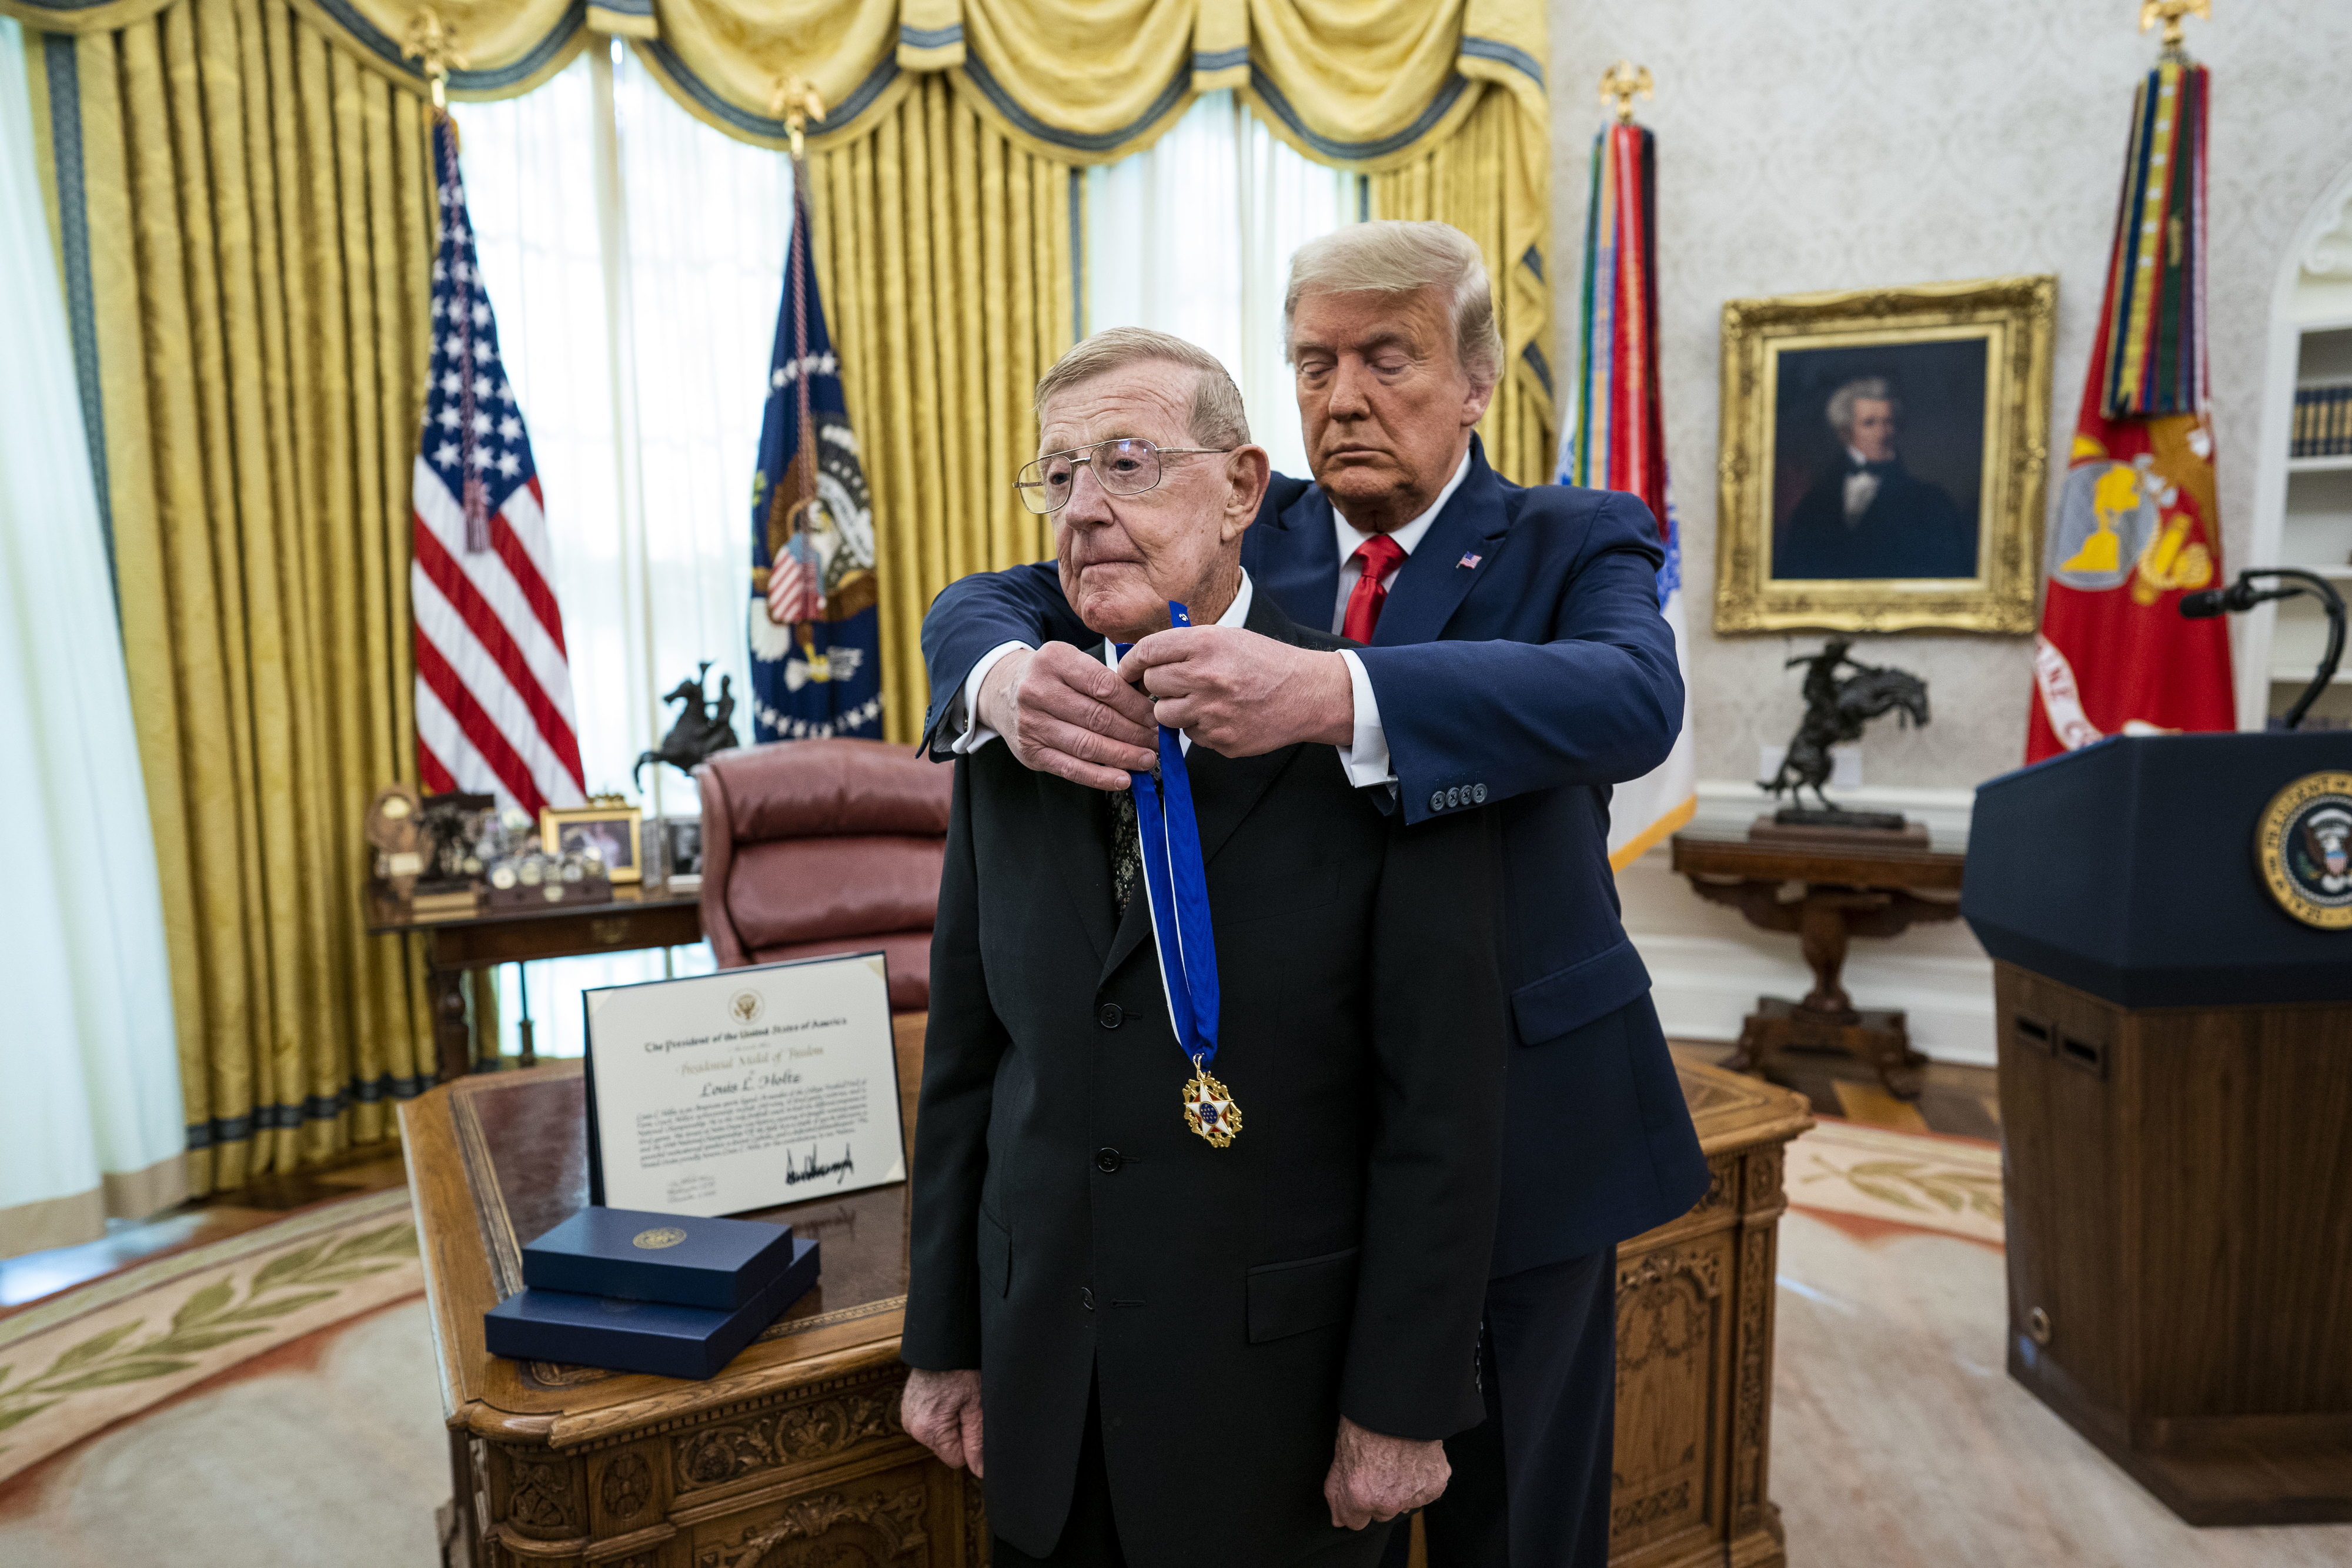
812 847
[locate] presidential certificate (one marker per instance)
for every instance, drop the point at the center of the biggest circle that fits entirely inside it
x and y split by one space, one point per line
747 1089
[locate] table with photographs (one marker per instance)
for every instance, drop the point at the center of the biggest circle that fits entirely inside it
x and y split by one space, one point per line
666 915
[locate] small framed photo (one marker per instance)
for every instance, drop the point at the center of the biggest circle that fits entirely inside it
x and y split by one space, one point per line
681 848
1883 457
611 831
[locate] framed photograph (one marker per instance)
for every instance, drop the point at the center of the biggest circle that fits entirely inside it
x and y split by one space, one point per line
611 831
1884 456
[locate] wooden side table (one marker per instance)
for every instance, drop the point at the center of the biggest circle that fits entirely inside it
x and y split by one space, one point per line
637 917
794 1454
1826 893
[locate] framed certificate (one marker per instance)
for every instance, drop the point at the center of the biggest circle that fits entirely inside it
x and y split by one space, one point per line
743 1090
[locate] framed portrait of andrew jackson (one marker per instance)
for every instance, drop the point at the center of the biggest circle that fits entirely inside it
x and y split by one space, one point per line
1883 458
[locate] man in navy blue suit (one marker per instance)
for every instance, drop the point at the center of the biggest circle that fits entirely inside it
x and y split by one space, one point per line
1513 655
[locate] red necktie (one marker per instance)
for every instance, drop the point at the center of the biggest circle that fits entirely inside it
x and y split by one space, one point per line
1380 554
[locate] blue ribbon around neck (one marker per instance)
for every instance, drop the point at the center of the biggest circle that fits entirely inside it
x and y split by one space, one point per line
1177 887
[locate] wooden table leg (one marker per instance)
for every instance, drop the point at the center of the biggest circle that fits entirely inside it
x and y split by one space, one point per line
452 1034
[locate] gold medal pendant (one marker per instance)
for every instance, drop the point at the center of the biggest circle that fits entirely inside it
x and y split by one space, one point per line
1209 1109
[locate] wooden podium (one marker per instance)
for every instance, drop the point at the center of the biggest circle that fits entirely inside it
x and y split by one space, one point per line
794 1455
2176 1091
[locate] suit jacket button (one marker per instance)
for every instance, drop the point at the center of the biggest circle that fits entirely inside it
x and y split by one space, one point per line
1109 1015
1454 797
1478 794
1437 800
1108 1160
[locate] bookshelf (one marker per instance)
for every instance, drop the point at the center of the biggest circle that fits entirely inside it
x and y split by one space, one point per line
2303 513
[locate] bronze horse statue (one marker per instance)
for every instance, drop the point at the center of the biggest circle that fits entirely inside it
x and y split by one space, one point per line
1835 711
702 729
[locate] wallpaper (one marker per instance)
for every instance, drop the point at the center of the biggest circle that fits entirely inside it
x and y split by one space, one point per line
1807 144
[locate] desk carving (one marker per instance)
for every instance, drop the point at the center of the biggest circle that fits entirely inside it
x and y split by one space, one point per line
794 1456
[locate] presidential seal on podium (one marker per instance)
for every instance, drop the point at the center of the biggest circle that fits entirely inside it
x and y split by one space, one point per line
2304 846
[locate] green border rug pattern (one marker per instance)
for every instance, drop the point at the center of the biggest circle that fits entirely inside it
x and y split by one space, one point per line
93 1356
1927 1181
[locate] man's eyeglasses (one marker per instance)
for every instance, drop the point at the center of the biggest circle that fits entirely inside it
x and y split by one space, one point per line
1124 467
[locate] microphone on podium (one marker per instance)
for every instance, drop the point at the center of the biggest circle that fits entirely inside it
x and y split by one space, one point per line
2243 595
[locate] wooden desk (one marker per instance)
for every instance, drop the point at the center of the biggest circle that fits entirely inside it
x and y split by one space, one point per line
637 917
794 1454
1842 892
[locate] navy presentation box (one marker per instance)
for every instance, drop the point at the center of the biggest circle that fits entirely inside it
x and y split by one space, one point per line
721 1264
641 1337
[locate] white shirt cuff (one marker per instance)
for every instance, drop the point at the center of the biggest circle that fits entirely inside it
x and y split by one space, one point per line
962 717
1367 758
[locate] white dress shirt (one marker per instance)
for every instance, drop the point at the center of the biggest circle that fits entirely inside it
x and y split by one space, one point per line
1366 756
1861 490
1365 759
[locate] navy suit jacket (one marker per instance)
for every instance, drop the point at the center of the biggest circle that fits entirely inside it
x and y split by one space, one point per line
1529 679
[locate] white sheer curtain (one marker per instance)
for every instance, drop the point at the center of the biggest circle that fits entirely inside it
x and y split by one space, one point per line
634 256
91 1123
1193 235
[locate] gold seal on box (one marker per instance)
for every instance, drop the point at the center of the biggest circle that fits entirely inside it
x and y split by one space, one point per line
2304 846
656 1239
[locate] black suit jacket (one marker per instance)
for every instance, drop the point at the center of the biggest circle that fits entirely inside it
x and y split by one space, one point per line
1911 529
1232 1302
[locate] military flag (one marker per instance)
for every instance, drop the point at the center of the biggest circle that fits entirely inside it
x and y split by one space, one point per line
815 631
493 680
2137 524
1615 435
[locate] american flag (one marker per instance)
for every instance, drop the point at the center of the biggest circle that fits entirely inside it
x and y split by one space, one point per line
795 591
493 683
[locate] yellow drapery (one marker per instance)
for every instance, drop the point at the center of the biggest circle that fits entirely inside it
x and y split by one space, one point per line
249 238
245 213
1483 182
944 255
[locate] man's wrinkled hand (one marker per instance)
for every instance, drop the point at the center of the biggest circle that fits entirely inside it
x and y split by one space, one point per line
941 1410
1063 712
1242 694
1375 1476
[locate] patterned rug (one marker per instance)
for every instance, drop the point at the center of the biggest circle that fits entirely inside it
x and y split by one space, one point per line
1879 1176
121 1345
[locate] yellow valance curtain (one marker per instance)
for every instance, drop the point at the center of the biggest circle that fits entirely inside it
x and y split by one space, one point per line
245 218
945 257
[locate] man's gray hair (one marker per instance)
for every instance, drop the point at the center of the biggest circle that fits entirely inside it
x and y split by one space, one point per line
1393 256
1871 389
1218 419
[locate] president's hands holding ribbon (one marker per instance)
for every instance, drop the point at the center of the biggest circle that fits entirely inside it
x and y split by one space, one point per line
1063 712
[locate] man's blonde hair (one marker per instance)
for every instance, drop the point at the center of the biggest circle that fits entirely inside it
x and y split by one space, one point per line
1217 420
1393 256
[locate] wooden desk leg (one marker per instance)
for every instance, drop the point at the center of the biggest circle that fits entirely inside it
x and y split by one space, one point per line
453 1035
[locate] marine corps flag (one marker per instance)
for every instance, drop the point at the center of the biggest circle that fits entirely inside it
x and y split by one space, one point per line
2137 524
1614 438
816 666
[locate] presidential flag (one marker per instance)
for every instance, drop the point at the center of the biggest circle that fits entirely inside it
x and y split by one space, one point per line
816 638
1614 436
494 710
2137 524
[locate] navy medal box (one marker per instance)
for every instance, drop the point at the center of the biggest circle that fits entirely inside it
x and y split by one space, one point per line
679 1260
623 1335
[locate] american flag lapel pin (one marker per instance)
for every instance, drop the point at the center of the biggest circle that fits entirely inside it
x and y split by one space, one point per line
1468 559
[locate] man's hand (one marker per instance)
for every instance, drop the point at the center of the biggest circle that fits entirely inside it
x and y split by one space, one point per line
1063 712
1373 1477
941 1410
1242 694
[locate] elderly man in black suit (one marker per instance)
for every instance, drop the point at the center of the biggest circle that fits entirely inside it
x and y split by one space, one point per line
1867 516
1158 1350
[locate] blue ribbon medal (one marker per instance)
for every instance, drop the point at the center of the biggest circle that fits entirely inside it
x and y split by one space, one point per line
1177 888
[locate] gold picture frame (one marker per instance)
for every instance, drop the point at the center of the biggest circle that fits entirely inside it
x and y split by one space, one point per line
1768 507
554 819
